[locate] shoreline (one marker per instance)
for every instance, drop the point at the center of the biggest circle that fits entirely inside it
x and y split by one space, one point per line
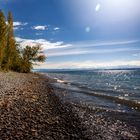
101 123
30 109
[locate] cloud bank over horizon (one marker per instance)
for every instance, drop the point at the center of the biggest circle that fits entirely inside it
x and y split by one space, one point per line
88 65
74 49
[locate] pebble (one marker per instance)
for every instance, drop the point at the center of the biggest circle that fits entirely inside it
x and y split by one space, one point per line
30 110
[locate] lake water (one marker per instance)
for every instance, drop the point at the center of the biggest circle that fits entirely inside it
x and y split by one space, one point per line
112 89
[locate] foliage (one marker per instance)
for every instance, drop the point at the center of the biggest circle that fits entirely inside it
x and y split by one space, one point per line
3 35
30 55
12 57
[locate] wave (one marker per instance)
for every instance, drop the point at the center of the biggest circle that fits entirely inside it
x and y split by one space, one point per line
74 87
61 81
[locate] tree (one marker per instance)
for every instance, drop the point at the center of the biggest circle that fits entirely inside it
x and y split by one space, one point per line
11 52
11 57
28 56
3 39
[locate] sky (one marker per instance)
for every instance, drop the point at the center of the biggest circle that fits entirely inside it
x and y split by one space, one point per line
79 33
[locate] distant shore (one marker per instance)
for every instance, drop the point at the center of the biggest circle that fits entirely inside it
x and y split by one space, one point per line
29 109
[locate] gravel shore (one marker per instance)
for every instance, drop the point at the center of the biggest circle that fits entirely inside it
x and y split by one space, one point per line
30 110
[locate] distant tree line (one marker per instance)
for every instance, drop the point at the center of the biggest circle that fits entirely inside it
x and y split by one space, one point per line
12 57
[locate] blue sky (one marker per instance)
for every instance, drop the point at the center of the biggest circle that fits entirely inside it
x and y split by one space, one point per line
79 33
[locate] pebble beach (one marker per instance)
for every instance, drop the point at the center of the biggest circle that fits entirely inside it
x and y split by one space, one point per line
30 109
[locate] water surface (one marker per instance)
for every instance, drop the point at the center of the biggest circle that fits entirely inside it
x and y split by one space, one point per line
101 87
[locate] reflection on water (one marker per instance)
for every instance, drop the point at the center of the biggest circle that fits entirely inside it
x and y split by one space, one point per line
110 89
121 83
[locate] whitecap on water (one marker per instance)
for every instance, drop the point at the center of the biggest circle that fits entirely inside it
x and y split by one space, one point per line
115 87
121 97
126 95
61 81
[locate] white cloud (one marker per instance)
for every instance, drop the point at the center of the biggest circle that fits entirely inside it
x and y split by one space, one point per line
17 23
43 27
90 47
56 28
45 44
80 51
104 43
